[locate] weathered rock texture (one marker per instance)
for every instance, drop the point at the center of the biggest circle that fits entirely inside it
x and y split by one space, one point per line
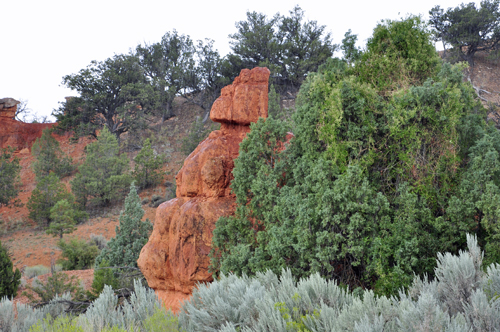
176 255
17 134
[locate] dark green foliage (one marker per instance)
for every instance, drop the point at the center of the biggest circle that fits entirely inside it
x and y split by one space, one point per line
398 55
384 171
49 190
103 275
352 53
148 164
113 94
287 45
9 278
77 254
197 133
167 65
209 76
467 28
9 176
49 157
131 234
274 103
103 177
63 218
57 284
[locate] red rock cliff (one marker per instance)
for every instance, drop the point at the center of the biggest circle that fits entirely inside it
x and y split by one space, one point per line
176 255
17 134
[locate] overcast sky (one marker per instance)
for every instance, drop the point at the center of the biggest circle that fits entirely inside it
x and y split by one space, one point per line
41 41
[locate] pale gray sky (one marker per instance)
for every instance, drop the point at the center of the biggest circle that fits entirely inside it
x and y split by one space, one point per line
41 41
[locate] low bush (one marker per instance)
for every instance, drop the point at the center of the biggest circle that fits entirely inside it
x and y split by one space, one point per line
77 254
35 271
461 298
99 240
58 283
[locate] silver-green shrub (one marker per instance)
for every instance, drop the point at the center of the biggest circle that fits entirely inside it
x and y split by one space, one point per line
35 271
105 311
26 315
461 298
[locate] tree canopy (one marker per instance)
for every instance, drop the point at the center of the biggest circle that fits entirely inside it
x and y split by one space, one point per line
289 46
384 171
167 66
131 234
103 176
113 93
467 28
9 176
50 157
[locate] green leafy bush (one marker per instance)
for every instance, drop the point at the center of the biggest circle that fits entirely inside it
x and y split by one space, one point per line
9 278
57 284
77 254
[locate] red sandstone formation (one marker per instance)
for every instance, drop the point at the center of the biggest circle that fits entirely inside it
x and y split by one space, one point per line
176 256
17 134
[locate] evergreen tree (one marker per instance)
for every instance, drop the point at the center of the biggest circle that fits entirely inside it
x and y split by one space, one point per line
274 107
49 190
148 164
103 175
63 219
113 94
9 279
9 176
467 28
131 234
391 162
49 157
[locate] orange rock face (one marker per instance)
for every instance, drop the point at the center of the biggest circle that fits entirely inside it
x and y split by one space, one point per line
17 134
176 255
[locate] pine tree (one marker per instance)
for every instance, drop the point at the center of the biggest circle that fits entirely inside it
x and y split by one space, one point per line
49 157
274 107
49 190
63 219
103 176
131 234
9 176
147 171
9 279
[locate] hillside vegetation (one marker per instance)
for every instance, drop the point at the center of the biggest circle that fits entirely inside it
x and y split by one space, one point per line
381 211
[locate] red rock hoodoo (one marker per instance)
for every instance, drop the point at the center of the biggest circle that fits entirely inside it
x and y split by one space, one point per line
176 255
17 134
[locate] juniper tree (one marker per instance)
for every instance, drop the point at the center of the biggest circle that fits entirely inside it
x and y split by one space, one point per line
49 190
131 234
148 164
49 157
103 175
63 219
9 176
9 279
